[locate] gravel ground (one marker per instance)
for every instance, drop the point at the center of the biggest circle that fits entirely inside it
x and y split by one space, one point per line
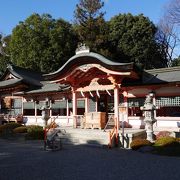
26 160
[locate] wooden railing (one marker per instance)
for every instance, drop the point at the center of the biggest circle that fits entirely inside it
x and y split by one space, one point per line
113 135
110 121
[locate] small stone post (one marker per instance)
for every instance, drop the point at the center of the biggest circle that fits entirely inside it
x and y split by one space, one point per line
149 119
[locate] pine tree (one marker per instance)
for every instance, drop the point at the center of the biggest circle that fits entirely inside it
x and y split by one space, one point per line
90 24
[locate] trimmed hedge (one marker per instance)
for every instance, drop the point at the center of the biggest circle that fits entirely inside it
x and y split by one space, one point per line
167 146
165 141
35 132
22 129
137 143
7 129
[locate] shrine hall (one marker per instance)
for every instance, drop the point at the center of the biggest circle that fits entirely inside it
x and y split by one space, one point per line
91 92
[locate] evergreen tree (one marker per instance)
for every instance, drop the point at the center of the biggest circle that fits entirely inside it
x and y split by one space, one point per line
132 39
176 62
4 53
42 43
91 26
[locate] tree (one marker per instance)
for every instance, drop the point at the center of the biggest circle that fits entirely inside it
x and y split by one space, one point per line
90 25
173 12
176 62
4 52
42 43
168 31
132 39
167 39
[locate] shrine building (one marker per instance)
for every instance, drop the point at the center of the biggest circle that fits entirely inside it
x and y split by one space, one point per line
89 91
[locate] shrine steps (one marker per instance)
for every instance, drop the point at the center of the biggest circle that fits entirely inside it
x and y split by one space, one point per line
90 137
99 138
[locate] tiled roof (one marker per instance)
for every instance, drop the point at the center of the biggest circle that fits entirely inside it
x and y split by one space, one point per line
49 87
31 78
38 85
156 76
10 83
163 75
28 76
89 58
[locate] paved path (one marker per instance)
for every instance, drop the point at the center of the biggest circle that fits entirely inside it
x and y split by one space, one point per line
28 161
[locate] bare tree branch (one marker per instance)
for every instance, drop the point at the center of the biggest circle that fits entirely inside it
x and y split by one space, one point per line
168 31
173 12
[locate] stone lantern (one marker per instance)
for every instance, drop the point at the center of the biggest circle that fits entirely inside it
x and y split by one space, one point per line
45 112
149 119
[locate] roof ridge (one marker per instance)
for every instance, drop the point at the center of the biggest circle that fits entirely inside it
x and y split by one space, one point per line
161 70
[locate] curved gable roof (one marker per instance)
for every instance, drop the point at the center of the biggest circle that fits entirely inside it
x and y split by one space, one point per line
89 58
26 75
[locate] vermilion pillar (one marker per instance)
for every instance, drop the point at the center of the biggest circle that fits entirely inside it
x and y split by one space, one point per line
74 109
126 106
116 105
67 110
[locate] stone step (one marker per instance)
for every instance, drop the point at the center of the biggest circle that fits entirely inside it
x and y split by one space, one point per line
94 137
85 136
75 141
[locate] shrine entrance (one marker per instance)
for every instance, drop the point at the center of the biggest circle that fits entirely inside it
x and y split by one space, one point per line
100 109
102 104
106 104
98 81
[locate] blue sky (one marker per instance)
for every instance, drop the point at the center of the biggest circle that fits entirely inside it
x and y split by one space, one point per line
13 11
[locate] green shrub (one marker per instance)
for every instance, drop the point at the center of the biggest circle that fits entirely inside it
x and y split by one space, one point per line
137 143
163 134
7 129
35 132
165 141
22 129
167 146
